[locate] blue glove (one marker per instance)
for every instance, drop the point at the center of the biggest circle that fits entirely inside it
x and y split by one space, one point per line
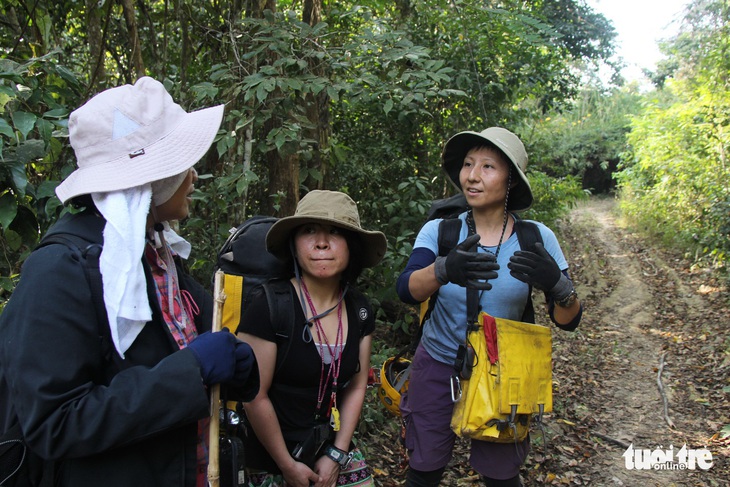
245 360
216 354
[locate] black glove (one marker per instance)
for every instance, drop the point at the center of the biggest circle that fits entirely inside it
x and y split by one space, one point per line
222 357
538 268
467 268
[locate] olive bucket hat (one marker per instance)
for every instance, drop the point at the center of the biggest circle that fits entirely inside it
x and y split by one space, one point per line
328 208
455 150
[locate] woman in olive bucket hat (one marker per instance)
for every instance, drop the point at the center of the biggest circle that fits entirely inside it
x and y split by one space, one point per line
106 354
488 167
313 398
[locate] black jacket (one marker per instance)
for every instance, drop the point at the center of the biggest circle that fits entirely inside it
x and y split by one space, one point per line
103 426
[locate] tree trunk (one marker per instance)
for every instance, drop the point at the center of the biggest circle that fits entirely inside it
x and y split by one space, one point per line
97 73
135 56
317 110
182 18
283 168
283 180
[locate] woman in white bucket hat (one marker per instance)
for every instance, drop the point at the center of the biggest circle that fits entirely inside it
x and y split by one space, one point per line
104 370
488 168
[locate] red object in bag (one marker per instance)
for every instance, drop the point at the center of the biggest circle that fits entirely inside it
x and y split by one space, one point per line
490 334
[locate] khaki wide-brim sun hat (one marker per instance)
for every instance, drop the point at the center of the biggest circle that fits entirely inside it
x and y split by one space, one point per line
132 135
328 208
455 150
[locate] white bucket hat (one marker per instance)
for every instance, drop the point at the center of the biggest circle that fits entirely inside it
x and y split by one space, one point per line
132 135
455 150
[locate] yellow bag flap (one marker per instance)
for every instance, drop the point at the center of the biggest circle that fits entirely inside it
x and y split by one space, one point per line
521 375
525 366
233 289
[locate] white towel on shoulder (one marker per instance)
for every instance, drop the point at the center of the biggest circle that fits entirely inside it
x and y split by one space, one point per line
122 274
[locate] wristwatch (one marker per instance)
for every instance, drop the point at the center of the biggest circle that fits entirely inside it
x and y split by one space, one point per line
338 456
568 301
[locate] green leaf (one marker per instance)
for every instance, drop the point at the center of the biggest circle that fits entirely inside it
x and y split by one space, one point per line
241 185
8 210
20 179
67 75
295 84
261 93
388 106
57 113
24 122
6 129
221 147
205 90
6 91
30 150
45 129
14 240
52 204
6 284
279 140
46 189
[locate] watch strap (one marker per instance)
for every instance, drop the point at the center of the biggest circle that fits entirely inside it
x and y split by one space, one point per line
568 301
338 456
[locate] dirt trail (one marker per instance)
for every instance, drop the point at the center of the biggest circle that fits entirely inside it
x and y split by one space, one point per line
646 312
641 307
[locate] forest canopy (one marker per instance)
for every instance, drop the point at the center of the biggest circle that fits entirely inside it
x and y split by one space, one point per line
360 97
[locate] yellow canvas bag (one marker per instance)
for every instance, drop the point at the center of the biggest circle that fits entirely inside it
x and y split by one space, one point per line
510 384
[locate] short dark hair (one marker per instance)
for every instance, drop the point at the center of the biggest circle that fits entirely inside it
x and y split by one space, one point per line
355 263
486 144
82 201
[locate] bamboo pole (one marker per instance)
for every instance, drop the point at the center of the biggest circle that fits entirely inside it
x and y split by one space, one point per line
219 298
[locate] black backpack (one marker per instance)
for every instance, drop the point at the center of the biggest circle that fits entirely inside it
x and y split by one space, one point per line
247 263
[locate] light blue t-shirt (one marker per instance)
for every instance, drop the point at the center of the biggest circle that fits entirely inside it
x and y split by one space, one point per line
445 330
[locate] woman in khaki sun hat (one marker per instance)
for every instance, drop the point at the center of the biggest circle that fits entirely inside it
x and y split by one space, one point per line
309 404
488 168
106 355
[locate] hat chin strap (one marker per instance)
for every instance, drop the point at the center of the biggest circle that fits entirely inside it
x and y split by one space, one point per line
158 227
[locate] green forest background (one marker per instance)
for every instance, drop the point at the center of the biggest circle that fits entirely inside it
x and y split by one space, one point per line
360 97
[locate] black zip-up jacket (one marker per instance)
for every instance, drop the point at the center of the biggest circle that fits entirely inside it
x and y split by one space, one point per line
101 425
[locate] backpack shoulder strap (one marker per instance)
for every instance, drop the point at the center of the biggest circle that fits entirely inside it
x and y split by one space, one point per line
88 254
528 235
448 235
362 306
280 300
